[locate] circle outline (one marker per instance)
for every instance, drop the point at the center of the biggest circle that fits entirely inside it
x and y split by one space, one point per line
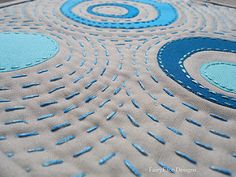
167 14
41 59
131 11
171 57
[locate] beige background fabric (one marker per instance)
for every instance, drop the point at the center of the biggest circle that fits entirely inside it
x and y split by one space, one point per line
130 48
231 3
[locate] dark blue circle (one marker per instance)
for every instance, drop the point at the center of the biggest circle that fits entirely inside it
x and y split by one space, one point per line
132 11
167 14
172 55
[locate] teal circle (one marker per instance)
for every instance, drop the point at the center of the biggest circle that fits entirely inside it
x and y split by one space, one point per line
23 50
220 74
167 14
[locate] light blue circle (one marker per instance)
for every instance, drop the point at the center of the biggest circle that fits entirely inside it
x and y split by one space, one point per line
23 50
132 11
167 14
220 74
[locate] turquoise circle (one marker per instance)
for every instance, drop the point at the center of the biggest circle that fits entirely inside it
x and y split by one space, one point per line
220 74
23 50
167 14
131 11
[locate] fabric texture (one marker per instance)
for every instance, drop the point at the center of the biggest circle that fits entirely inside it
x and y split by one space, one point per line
112 101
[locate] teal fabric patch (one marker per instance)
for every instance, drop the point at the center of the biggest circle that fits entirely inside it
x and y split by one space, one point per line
221 75
23 50
167 14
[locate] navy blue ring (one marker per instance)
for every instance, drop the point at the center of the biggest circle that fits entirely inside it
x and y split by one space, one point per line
172 55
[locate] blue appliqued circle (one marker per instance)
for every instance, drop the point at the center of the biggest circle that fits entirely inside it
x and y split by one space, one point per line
171 57
166 14
23 50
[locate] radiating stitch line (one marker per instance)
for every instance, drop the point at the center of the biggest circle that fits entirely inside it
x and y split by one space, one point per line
56 78
27 134
152 117
16 108
168 92
190 106
203 145
135 103
140 149
90 130
218 117
220 134
2 138
104 102
36 149
27 97
111 115
106 138
131 167
194 122
29 85
89 98
65 139
15 122
122 132
46 116
85 115
177 132
167 108
185 156
51 163
221 170
103 160
60 126
56 89
83 151
70 108
48 103
156 137
90 84
166 167
5 101
133 121
72 95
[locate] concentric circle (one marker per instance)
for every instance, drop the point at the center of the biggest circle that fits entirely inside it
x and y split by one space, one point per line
23 50
104 86
171 58
166 14
131 11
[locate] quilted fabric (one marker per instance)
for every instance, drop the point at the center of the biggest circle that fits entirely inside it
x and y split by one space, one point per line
120 92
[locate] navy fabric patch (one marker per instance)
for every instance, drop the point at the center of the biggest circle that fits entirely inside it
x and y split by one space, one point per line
171 57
